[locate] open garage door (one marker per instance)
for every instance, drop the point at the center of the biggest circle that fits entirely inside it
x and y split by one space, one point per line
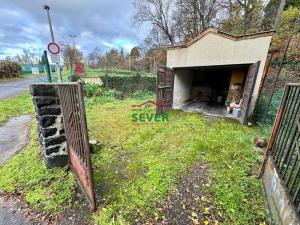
164 89
248 92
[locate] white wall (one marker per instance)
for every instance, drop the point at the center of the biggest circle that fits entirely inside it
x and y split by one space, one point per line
213 49
182 87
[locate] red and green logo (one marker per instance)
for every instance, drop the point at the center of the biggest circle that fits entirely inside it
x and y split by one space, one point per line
146 112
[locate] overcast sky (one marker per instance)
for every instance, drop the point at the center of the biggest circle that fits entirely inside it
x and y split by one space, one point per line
96 23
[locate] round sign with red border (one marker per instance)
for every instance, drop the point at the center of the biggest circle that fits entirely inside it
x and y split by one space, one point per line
53 48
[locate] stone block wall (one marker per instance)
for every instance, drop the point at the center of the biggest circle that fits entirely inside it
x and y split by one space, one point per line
50 124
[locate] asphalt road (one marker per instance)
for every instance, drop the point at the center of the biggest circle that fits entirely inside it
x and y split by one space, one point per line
14 136
16 87
8 216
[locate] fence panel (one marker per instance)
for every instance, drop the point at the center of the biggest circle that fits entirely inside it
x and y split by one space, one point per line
284 143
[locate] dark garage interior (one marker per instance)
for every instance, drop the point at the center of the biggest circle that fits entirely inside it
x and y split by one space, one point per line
209 90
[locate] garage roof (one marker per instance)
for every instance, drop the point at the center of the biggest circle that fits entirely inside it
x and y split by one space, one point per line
225 35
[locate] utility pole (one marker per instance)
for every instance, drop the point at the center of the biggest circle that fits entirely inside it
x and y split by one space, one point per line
47 8
129 58
73 42
106 75
72 36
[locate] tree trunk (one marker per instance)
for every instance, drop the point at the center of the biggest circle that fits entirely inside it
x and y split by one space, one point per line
278 15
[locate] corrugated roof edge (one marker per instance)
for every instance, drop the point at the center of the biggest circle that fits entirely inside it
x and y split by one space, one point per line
225 35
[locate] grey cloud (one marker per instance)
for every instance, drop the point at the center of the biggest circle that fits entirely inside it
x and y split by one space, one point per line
94 22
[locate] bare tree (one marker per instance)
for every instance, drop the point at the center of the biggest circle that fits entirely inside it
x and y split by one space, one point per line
27 57
248 7
194 16
242 16
158 13
70 54
278 15
96 59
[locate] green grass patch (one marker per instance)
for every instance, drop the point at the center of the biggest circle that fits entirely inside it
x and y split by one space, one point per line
48 190
139 165
15 106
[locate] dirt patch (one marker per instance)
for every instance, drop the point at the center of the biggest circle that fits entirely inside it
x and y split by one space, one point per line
18 211
191 202
78 213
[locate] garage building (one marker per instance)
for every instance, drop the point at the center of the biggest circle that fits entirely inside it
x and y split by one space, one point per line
215 73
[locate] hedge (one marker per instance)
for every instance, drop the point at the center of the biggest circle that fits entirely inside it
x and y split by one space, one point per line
9 69
128 85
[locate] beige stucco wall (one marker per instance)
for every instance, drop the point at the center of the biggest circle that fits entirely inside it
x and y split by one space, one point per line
213 49
182 87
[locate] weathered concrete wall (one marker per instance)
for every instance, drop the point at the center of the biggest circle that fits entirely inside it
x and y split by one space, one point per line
182 87
281 209
213 49
50 124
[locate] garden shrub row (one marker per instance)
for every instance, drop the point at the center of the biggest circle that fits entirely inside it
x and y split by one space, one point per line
129 85
9 69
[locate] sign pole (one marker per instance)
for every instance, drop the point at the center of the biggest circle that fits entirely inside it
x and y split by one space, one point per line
47 67
47 8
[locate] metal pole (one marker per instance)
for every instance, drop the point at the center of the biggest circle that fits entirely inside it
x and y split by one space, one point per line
47 8
71 61
106 75
47 67
129 62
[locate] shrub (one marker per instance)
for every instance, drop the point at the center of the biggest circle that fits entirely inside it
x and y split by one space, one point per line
262 104
130 84
91 90
9 69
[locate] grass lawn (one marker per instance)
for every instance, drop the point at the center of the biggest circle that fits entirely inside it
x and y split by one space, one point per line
46 190
15 106
165 151
138 165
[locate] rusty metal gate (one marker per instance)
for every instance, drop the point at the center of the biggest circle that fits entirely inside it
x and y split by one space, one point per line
283 148
164 88
74 118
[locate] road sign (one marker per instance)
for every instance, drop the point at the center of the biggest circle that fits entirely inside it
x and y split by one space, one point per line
53 48
55 58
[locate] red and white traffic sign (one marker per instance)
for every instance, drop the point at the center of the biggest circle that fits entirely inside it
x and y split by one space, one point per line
53 48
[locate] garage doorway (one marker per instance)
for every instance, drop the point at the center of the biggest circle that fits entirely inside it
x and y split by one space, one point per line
208 89
223 91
